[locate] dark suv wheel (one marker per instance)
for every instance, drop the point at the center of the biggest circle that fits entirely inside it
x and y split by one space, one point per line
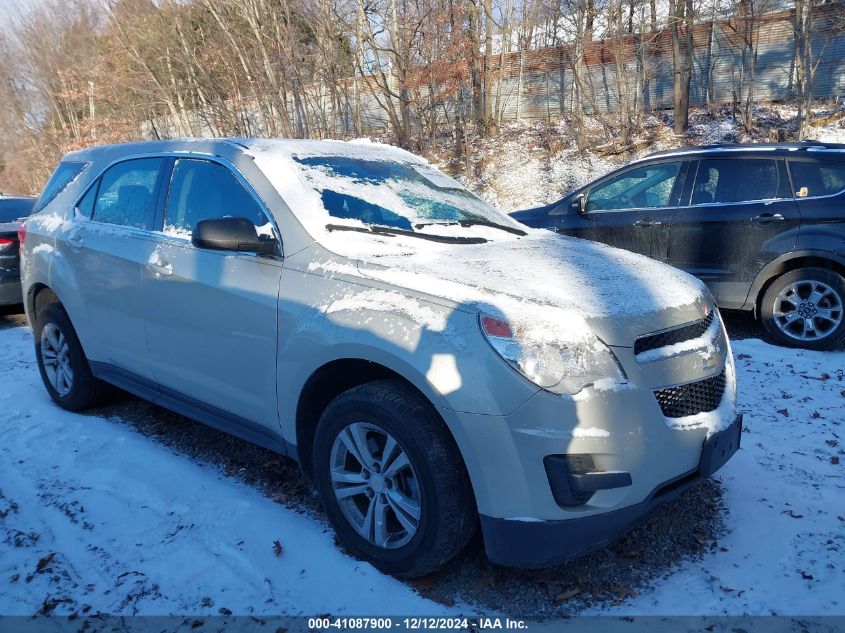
804 308
62 363
391 479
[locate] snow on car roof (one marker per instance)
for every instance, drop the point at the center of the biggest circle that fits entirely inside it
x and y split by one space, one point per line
357 148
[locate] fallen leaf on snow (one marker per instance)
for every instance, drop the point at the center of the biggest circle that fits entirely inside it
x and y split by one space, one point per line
45 561
563 596
424 584
277 548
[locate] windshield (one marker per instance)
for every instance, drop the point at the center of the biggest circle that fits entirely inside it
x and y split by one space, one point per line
402 195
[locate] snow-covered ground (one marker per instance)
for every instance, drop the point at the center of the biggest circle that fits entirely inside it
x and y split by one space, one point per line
95 517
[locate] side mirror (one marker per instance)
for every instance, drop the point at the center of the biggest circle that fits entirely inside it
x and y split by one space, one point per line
230 234
579 204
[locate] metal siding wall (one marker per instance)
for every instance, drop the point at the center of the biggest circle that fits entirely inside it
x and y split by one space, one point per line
538 84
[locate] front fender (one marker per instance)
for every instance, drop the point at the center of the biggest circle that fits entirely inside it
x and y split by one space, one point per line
440 350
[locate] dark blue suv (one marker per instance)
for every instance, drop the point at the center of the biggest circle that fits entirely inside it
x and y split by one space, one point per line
762 225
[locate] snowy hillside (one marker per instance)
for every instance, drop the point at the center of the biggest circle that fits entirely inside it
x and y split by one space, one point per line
530 164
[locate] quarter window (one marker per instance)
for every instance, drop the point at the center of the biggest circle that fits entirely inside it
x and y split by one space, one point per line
817 179
731 180
202 190
648 187
126 193
60 179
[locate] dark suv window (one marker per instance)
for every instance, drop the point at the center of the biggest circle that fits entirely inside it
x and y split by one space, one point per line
14 209
648 187
126 192
812 178
731 180
202 190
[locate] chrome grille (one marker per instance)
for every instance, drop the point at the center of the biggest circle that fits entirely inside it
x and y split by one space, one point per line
676 335
695 397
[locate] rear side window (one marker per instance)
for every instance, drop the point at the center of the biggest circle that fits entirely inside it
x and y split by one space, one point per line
60 179
817 179
202 190
126 193
86 205
15 209
731 180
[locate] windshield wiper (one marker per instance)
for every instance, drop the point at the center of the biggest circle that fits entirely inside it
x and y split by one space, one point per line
468 223
378 229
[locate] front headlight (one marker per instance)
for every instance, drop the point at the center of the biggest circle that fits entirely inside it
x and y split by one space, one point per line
554 366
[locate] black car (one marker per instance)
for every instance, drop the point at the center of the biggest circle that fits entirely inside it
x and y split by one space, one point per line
762 225
12 211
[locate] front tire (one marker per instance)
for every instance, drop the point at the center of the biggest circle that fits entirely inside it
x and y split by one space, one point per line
391 479
806 308
62 362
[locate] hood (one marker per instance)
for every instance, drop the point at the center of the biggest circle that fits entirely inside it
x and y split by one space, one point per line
551 282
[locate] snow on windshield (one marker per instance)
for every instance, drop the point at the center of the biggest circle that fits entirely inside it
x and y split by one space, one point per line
390 193
368 184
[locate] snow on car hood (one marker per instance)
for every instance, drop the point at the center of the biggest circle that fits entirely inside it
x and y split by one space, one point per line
546 269
557 288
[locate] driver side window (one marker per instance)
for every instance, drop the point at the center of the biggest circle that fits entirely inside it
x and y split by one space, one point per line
201 190
647 187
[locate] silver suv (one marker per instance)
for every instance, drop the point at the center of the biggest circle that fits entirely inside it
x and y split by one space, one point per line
431 363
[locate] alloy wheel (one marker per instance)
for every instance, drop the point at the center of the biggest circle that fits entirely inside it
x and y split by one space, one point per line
808 310
55 354
375 485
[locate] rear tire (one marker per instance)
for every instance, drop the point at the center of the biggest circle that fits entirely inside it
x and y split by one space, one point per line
427 508
804 308
62 362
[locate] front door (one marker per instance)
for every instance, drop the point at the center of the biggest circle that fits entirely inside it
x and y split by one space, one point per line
630 210
736 218
211 315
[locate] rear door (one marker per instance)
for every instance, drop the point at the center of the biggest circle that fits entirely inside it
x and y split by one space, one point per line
736 217
819 187
211 315
630 209
107 249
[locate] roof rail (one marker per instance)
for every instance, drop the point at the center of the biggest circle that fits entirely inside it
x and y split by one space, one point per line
792 145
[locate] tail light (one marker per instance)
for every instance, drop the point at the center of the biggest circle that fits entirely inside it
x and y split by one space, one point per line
22 233
5 243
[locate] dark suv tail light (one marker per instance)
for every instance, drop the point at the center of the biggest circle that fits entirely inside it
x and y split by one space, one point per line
5 244
22 233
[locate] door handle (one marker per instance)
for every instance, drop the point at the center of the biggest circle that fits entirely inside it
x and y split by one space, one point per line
768 217
160 267
647 222
75 240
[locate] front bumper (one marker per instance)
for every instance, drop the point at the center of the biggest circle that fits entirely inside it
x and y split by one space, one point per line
533 543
